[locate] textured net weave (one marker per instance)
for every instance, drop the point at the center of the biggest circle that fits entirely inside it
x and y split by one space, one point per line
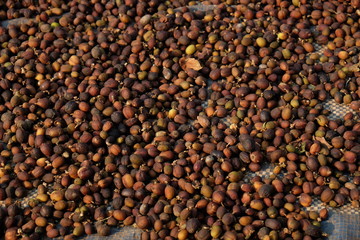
337 110
124 233
342 226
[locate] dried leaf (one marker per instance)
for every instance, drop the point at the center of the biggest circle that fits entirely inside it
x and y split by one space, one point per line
194 64
323 141
190 63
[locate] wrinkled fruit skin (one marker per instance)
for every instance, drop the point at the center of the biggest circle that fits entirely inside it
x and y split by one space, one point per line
155 114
